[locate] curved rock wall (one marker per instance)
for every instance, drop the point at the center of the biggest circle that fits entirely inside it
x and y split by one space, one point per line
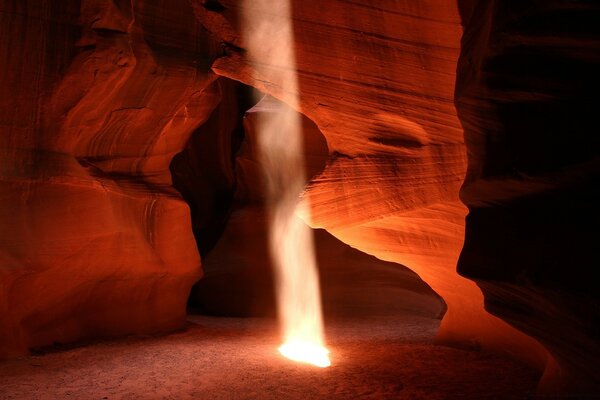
238 271
378 80
97 97
204 172
526 92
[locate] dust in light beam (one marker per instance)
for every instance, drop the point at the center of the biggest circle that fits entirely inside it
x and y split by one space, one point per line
268 37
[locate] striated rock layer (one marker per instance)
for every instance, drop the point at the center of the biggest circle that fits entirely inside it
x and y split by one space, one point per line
97 97
526 95
378 80
238 279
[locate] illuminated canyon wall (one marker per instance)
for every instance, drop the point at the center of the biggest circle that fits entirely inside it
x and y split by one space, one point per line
383 97
238 273
99 95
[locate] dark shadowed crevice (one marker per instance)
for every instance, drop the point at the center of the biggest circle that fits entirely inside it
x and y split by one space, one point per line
204 172
525 94
213 5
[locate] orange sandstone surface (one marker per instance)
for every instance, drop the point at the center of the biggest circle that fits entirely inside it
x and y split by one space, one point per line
94 241
382 94
105 104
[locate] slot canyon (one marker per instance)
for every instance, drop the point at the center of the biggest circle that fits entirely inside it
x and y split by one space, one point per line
445 171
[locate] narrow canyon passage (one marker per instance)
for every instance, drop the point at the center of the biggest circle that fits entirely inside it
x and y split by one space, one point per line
450 182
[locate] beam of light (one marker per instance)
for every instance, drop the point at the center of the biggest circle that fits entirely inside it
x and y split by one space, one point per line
268 37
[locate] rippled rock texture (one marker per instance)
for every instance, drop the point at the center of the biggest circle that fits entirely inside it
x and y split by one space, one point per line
98 96
382 93
238 279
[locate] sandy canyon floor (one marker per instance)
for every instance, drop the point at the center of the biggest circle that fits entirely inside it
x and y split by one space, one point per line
226 358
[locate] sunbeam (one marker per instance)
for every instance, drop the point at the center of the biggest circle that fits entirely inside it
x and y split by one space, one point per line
281 152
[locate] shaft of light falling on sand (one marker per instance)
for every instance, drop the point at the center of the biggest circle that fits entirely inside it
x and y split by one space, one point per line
268 37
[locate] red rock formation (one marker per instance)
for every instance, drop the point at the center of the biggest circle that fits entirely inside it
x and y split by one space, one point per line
378 80
97 96
527 80
238 278
204 173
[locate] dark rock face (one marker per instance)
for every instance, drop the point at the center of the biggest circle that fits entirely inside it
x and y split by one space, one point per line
204 173
526 96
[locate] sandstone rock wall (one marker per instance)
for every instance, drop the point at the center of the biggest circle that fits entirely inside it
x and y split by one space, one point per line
97 97
378 80
238 271
526 96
